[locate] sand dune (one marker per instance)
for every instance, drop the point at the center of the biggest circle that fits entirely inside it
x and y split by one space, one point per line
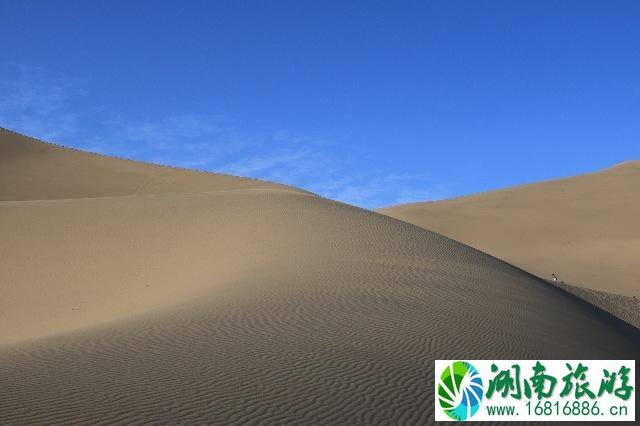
584 229
34 170
203 297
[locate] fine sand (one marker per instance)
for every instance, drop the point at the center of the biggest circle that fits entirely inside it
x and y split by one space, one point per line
133 293
33 170
585 229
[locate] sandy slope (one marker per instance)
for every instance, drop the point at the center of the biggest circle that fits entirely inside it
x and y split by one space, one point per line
585 229
34 170
252 303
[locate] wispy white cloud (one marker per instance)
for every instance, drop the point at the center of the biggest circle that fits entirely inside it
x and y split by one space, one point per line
49 109
199 141
337 178
186 132
265 164
374 190
32 101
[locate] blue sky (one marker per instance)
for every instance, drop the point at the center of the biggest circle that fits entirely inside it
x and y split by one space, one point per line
372 103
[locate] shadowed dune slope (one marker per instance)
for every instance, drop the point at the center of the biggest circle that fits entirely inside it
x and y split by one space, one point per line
256 305
584 229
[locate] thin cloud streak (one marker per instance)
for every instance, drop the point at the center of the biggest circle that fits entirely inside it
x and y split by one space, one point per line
30 101
48 109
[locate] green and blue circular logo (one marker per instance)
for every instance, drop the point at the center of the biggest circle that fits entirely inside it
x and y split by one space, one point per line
460 390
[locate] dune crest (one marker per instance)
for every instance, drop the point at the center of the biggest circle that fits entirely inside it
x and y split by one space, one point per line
36 170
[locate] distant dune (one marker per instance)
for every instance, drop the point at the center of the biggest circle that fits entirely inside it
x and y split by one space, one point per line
585 229
134 293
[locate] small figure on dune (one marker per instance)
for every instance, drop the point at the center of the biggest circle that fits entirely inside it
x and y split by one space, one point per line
554 277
